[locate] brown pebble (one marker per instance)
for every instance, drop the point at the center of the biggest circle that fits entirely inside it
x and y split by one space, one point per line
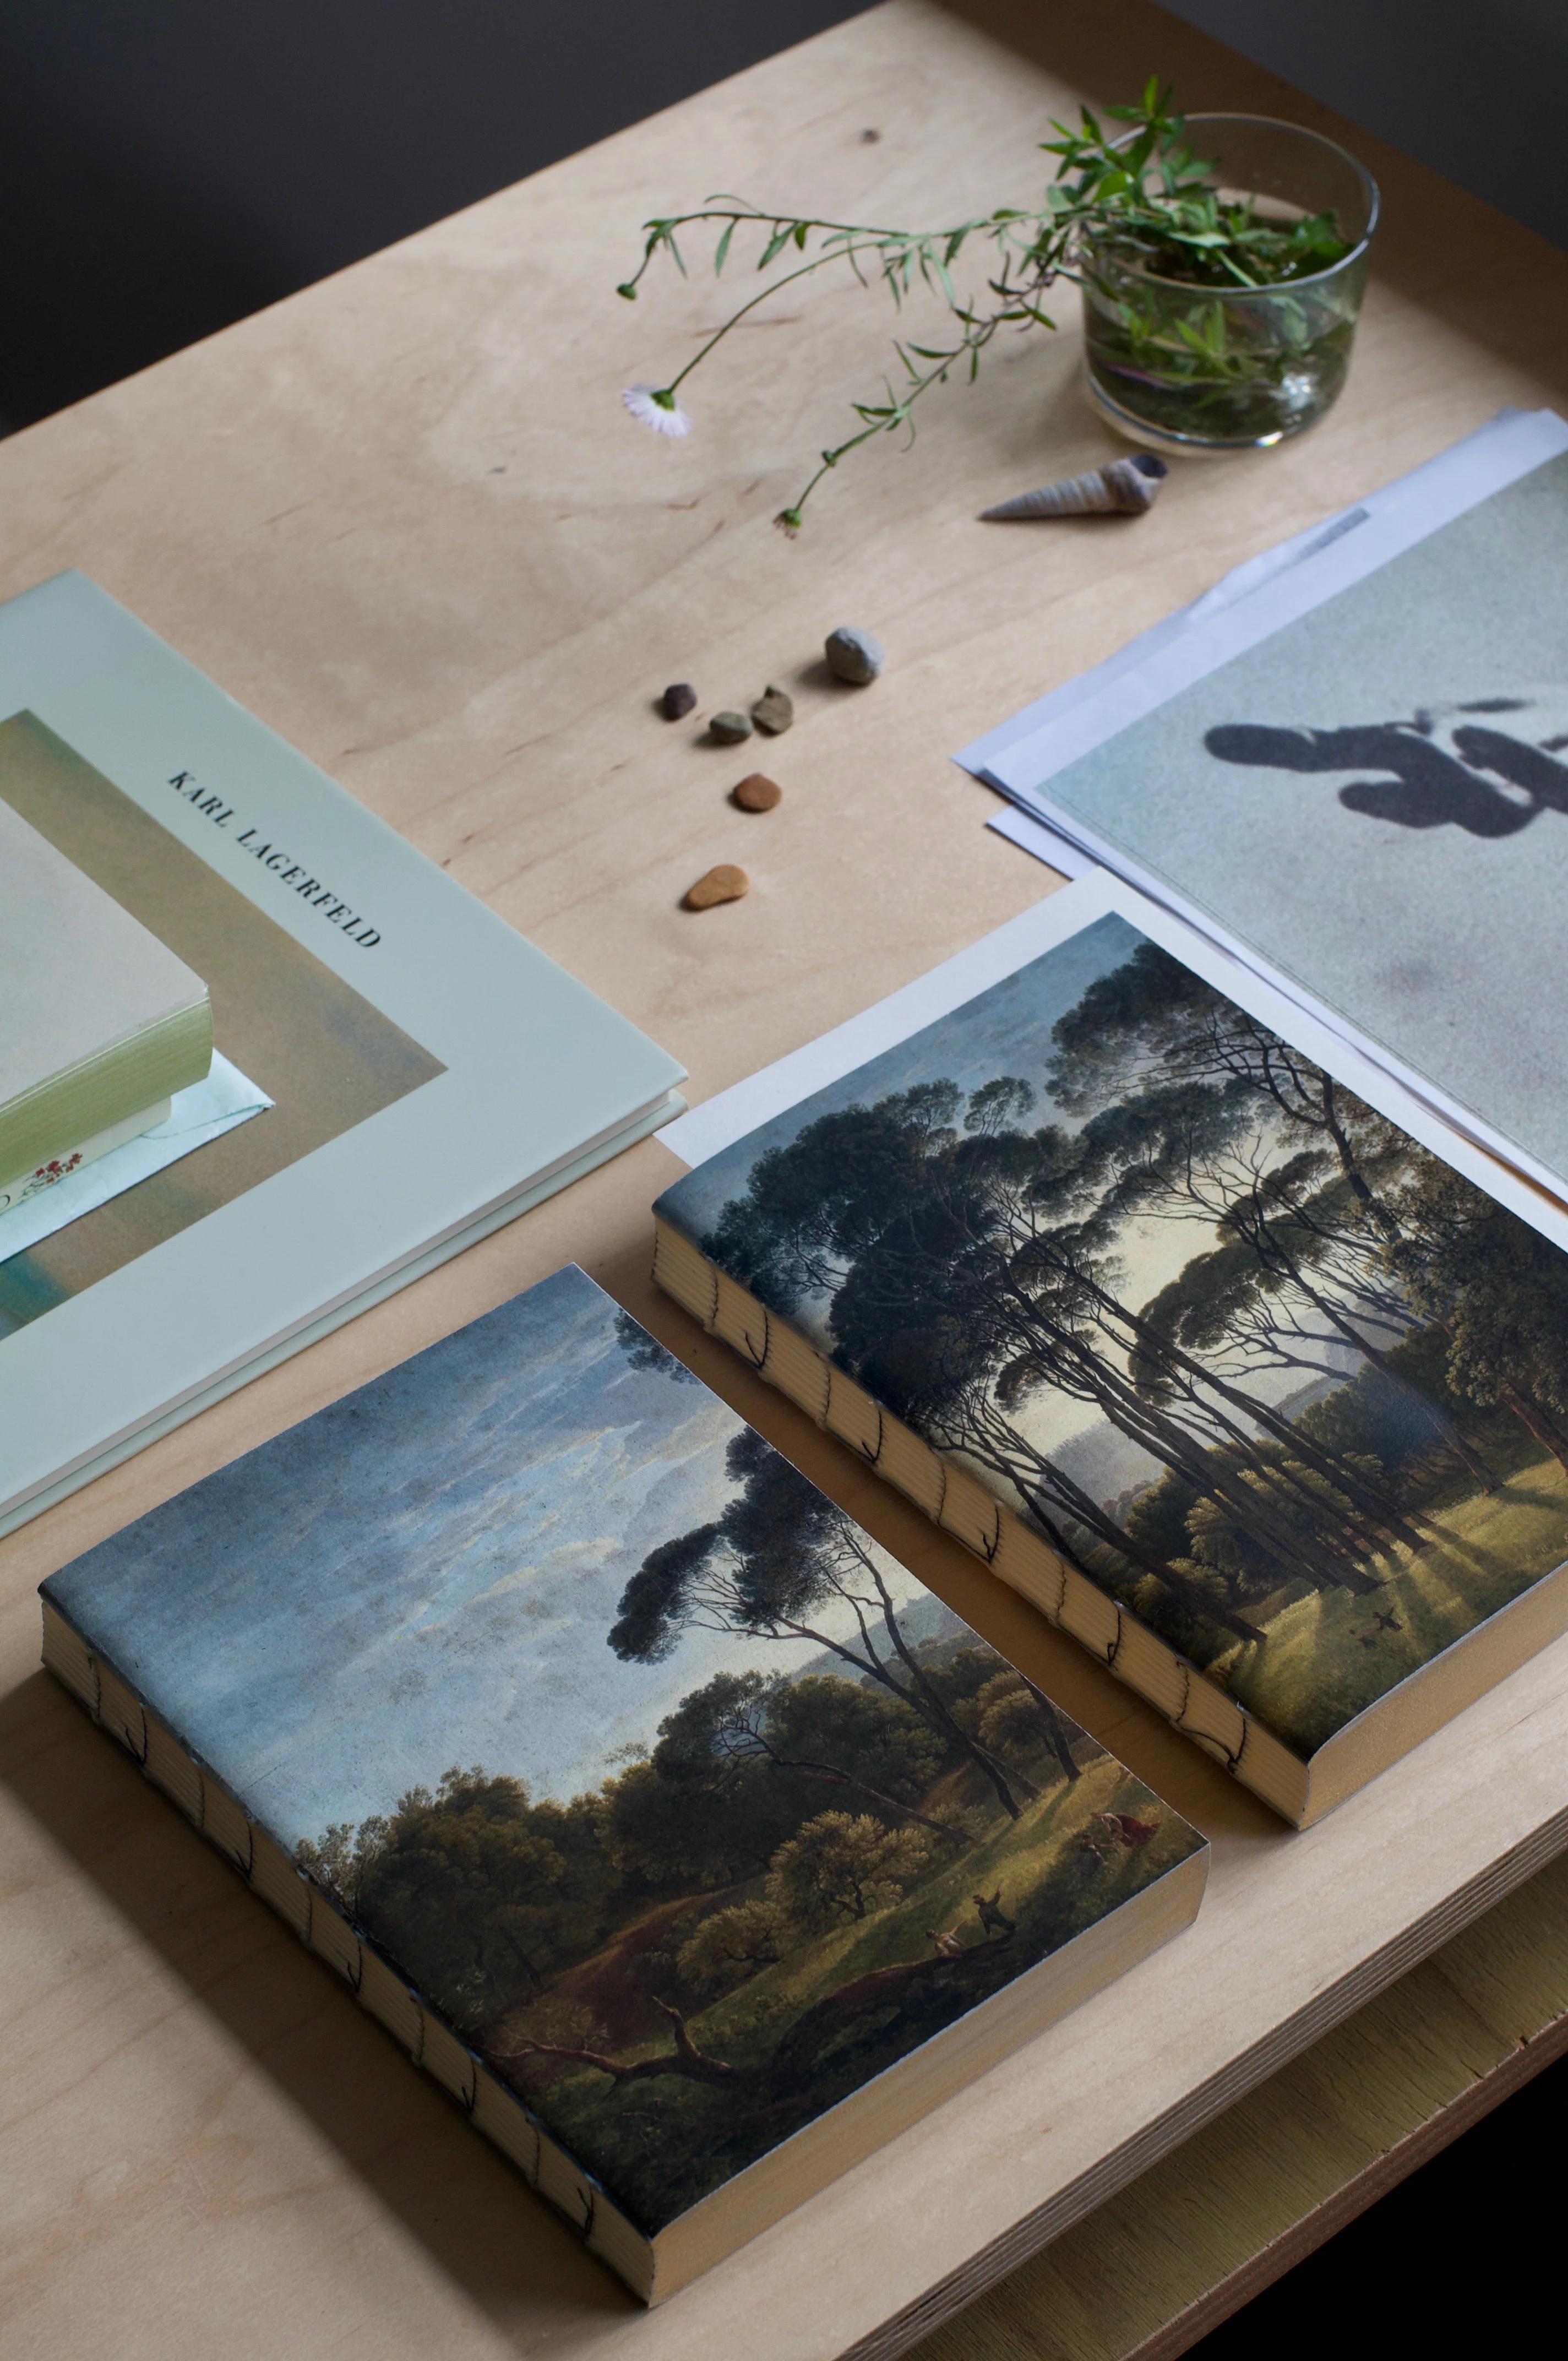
677 700
730 728
756 792
774 711
725 883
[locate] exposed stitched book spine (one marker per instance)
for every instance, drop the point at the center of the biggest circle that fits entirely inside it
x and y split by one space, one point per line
956 1501
428 2041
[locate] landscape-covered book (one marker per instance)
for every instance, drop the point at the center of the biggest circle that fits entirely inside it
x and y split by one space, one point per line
685 1835
1254 1393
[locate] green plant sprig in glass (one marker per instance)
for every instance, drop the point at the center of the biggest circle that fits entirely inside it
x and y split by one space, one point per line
1141 198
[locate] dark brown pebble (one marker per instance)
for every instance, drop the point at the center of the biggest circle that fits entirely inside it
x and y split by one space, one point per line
757 793
678 700
774 711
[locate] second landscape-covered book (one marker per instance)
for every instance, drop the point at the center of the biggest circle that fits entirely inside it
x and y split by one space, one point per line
691 1842
1117 1272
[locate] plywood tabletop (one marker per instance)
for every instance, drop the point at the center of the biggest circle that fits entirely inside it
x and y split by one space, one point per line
403 517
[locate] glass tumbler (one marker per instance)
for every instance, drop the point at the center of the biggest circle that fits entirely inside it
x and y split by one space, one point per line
1210 368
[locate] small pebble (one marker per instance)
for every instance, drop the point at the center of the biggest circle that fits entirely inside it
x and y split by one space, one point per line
774 711
853 655
756 792
730 728
725 883
677 700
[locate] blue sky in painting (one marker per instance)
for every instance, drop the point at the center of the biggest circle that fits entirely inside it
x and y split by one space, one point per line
423 1573
1005 1030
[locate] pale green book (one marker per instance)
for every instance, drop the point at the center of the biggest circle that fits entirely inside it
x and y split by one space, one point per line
102 1020
432 1074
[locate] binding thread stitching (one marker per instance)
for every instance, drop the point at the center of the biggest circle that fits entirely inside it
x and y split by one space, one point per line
760 1361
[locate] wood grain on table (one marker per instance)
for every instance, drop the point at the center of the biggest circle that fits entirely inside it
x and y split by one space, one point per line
403 517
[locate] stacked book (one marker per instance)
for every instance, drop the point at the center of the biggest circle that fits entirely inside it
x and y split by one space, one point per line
264 1062
104 1023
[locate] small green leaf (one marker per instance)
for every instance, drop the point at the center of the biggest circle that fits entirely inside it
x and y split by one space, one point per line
721 252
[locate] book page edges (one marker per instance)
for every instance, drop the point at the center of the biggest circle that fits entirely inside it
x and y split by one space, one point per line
133 1072
962 1505
424 2036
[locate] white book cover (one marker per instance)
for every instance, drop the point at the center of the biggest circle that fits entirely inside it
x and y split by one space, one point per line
429 1072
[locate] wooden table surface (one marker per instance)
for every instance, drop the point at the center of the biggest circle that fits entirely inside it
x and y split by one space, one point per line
403 517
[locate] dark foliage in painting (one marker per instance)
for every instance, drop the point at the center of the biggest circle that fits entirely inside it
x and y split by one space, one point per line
1345 1398
808 1873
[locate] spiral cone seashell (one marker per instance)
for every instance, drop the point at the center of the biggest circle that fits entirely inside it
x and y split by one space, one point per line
1126 486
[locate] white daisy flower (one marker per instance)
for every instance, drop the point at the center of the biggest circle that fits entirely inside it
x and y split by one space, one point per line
657 407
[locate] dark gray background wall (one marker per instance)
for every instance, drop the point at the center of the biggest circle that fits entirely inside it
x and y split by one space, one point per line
1479 89
166 166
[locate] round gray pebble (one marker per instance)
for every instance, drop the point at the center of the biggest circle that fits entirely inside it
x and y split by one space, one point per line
730 728
853 655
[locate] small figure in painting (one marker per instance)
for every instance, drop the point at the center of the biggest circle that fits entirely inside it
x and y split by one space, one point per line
1125 1829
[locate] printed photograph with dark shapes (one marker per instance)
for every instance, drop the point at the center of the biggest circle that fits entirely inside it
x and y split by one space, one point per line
1373 801
1490 767
1287 1385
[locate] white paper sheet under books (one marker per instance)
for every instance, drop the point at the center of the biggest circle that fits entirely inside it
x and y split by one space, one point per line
227 1099
1047 844
1026 747
1022 756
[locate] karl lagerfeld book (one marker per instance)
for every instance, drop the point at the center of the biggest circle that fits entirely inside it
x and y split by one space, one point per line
1205 1335
676 1829
423 1074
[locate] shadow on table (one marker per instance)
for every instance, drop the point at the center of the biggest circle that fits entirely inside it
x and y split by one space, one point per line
394 2129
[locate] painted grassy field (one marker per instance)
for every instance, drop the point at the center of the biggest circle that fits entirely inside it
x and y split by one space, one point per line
1052 1872
1329 1656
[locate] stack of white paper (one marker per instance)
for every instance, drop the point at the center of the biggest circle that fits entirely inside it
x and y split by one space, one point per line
1347 764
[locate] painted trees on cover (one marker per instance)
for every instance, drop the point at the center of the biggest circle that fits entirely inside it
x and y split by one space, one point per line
969 1256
